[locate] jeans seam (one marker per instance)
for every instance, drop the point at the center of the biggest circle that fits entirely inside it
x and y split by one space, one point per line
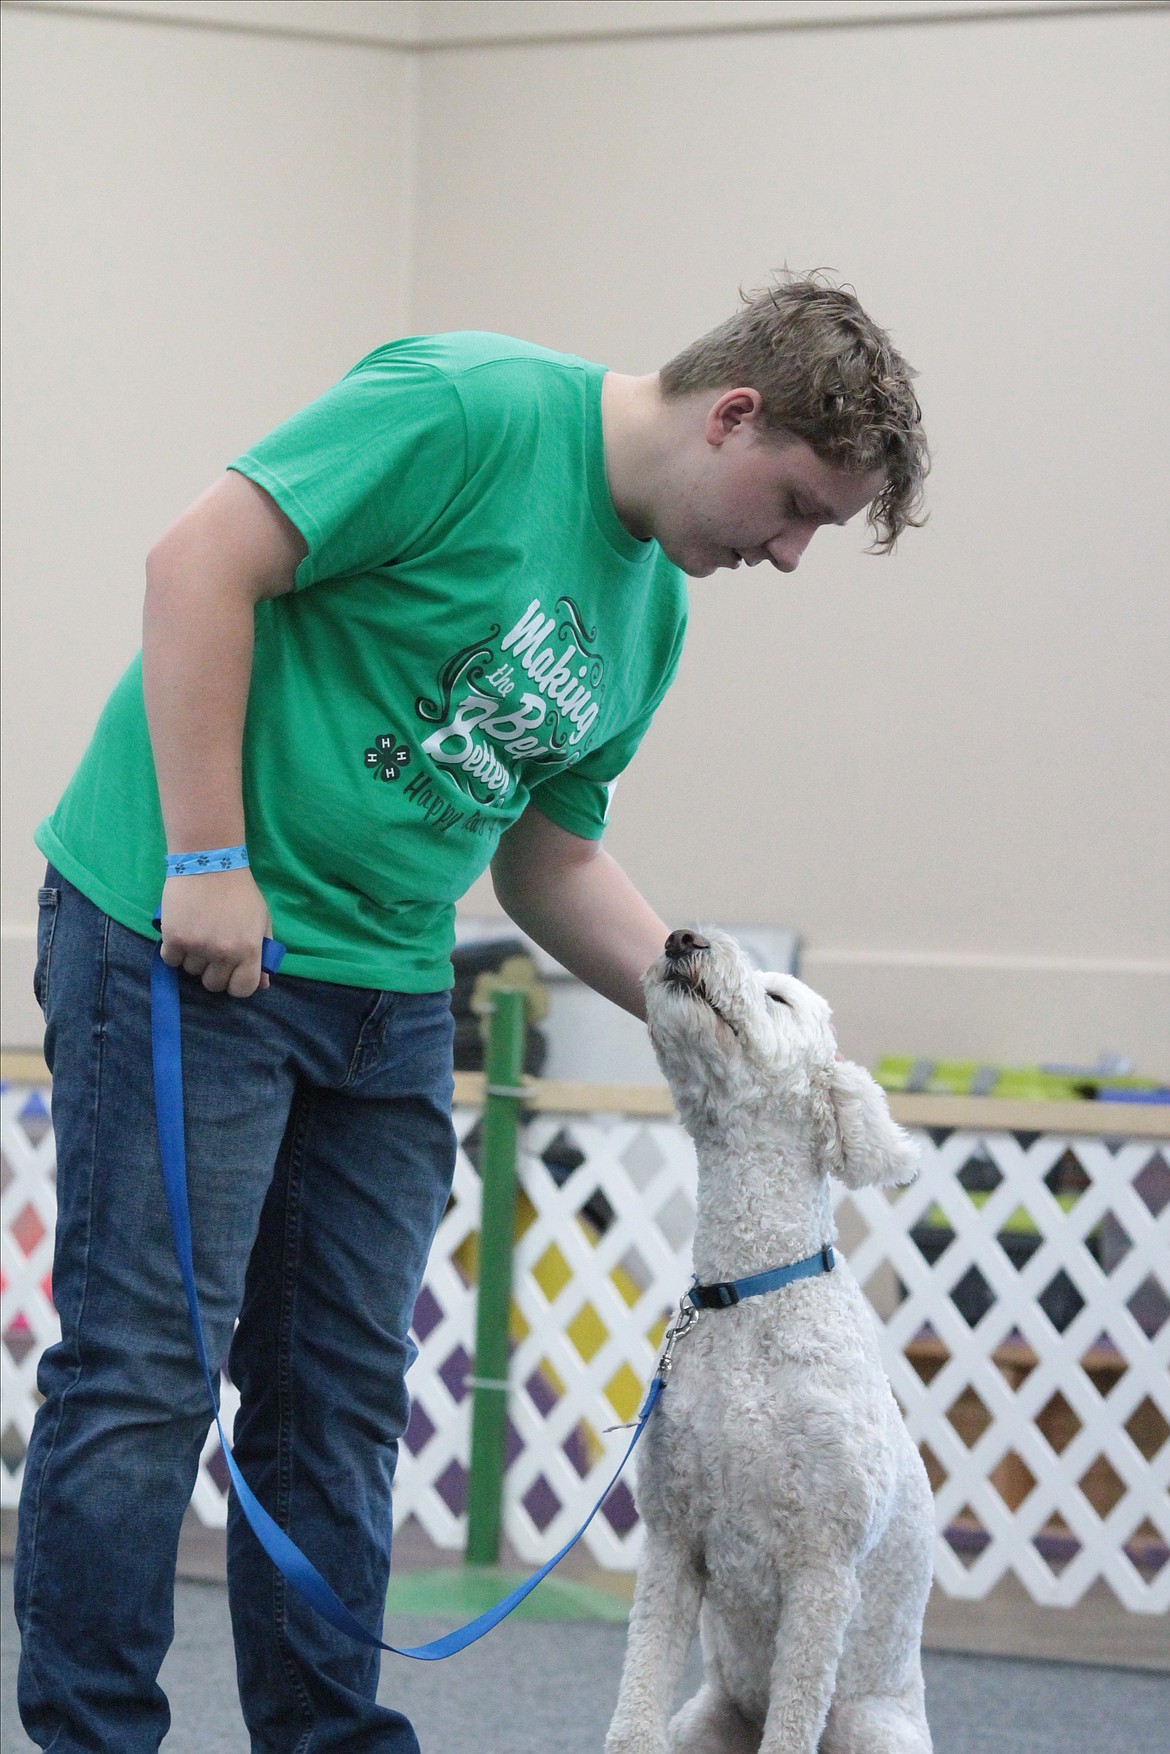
374 1023
42 996
283 1497
50 1447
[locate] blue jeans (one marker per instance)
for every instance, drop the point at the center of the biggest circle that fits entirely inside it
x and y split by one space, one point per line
319 1155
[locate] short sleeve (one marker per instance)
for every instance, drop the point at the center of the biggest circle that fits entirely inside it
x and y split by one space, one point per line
578 798
365 470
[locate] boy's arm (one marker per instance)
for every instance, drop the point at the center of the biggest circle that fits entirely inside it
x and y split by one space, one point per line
232 548
579 905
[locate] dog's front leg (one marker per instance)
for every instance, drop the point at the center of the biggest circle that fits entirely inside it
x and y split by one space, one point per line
818 1604
662 1624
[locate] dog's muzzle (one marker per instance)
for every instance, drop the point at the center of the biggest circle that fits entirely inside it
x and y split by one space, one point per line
682 943
684 951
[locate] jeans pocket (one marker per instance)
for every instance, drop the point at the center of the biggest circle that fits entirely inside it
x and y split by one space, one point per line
48 903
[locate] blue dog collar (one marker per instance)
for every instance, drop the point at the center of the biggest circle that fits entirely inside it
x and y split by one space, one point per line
732 1291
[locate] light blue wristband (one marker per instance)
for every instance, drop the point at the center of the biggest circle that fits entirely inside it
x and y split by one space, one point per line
196 864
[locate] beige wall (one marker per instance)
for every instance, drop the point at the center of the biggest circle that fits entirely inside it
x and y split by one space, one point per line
943 768
202 231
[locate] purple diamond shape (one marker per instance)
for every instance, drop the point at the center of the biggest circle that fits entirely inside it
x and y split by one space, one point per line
576 1448
541 1393
454 1372
619 1509
428 1314
541 1503
420 1430
1149 1306
1152 1184
452 1487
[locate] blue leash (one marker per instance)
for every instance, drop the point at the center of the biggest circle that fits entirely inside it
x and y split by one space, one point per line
284 1553
166 1046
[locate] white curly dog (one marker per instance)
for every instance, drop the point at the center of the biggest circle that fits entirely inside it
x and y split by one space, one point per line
780 1491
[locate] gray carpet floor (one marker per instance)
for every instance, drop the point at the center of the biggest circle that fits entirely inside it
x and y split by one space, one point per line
534 1688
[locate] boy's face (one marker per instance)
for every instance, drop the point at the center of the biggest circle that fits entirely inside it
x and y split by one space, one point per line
743 493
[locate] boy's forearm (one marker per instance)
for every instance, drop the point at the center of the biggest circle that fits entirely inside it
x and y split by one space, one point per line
197 637
592 919
204 578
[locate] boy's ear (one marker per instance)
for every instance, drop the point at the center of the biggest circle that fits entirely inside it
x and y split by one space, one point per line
870 1149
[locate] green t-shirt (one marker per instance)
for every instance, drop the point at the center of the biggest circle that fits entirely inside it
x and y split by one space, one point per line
472 628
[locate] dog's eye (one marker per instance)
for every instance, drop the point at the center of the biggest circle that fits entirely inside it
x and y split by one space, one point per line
779 999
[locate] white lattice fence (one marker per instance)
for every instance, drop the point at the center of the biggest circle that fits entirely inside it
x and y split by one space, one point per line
1022 1287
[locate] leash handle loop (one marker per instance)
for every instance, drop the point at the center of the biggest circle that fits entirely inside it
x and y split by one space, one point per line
271 950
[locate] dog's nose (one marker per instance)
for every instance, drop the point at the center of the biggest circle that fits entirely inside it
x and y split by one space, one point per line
682 943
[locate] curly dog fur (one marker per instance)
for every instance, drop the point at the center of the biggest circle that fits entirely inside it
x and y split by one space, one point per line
786 1509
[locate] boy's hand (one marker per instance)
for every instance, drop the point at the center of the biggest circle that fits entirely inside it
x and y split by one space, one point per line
213 925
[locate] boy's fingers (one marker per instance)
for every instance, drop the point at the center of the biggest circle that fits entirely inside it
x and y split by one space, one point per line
246 977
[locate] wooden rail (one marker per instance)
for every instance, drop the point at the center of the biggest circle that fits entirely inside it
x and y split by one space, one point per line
971 1114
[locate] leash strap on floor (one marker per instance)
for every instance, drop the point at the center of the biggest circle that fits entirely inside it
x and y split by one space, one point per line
166 1045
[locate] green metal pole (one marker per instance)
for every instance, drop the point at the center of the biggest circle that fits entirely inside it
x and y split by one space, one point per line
489 1412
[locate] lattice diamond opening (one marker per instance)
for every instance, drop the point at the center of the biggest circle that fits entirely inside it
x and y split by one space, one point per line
27 1230
1152 1184
935 1472
1149 1306
676 1220
1013 1479
1147 1427
972 1296
642 1160
1103 1364
1056 1544
1113 1242
1102 1486
12 1449
969 1417
980 1174
1014 1359
966 1537
1068 1179
34 1119
19 1340
927 1355
1061 1302
1057 1420
1147 1550
419 1431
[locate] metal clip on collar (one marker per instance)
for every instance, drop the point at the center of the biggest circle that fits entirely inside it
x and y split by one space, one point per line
682 1324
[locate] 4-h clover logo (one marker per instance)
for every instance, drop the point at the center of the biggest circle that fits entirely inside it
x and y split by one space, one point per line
388 757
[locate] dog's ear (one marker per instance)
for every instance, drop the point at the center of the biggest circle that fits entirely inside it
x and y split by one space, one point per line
870 1149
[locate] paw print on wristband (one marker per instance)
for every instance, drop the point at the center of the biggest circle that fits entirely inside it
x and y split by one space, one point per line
230 859
387 757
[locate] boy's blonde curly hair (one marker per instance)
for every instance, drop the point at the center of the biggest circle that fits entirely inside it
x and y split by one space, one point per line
828 375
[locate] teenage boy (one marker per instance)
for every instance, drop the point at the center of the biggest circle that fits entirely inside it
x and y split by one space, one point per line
419 628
